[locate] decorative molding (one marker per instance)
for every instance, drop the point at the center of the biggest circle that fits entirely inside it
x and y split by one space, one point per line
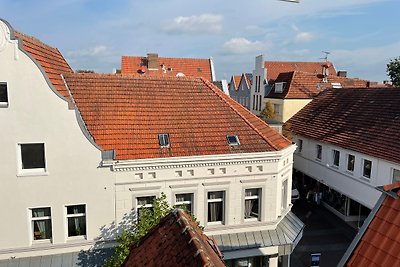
216 183
5 37
145 188
173 186
254 181
117 168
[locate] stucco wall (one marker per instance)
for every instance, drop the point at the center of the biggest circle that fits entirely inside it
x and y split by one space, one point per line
37 115
352 184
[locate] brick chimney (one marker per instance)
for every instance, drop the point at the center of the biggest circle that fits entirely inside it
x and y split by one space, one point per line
152 61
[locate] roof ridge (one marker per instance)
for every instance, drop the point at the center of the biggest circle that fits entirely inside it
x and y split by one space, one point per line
218 93
195 58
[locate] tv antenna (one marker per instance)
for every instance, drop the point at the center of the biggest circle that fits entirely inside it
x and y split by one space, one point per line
326 55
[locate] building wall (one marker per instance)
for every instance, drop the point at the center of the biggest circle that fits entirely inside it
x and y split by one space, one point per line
257 102
199 175
35 114
352 184
244 93
287 107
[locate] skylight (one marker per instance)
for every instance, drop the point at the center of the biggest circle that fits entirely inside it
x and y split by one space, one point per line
163 140
233 140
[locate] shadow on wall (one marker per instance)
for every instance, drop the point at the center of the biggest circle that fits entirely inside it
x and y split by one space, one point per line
103 249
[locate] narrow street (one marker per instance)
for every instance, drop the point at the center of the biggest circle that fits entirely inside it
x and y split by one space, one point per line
324 233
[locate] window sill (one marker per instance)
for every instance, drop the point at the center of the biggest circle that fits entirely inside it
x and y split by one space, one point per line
251 220
350 172
29 173
214 223
365 179
78 238
3 104
40 242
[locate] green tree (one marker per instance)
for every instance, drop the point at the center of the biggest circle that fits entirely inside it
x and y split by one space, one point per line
393 71
147 220
268 112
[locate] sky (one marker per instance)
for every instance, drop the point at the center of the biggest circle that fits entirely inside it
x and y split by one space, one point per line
361 35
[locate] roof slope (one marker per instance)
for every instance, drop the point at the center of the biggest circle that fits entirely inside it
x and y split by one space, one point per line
380 243
126 113
175 241
51 60
303 85
274 68
190 67
363 120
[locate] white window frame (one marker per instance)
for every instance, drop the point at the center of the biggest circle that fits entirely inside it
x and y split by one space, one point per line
33 219
75 216
33 171
258 197
185 202
334 152
2 103
148 205
223 200
363 169
319 152
394 170
354 162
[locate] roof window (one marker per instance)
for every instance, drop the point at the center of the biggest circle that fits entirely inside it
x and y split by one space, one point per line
279 87
163 140
336 85
233 140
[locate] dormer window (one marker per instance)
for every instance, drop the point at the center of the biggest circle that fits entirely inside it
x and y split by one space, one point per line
233 140
279 87
3 95
163 140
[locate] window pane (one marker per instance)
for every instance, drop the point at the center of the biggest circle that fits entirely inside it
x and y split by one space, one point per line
396 175
233 139
215 211
3 92
32 156
336 157
145 200
350 163
41 212
42 229
215 195
76 209
163 140
319 151
367 168
77 226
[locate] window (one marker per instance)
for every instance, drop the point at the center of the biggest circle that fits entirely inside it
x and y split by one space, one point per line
144 203
216 207
41 223
300 145
319 152
233 140
350 162
3 95
284 201
367 166
184 201
396 175
252 204
277 109
32 156
163 140
76 220
336 158
279 87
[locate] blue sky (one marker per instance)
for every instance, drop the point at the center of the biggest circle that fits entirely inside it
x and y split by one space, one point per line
361 35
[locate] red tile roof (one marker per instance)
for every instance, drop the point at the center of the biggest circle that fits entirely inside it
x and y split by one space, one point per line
303 85
126 113
190 67
176 241
51 60
364 120
380 243
274 68
236 80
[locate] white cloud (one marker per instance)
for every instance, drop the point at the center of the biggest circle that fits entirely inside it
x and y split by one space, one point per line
98 50
243 46
303 37
205 23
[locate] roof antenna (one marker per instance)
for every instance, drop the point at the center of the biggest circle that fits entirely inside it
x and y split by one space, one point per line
326 55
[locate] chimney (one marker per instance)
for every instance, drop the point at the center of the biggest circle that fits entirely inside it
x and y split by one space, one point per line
342 73
325 72
152 61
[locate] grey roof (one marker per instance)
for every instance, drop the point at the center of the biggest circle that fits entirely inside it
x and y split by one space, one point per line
82 258
286 236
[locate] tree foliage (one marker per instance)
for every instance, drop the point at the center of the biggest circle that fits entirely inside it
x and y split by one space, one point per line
147 220
393 71
268 112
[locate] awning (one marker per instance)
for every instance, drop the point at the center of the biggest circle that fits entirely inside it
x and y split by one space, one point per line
286 236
